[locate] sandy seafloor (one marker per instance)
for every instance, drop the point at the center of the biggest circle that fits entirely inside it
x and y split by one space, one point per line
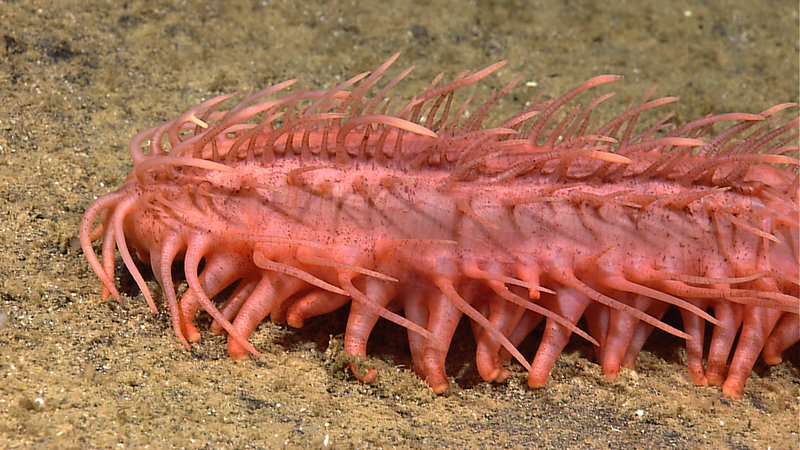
79 78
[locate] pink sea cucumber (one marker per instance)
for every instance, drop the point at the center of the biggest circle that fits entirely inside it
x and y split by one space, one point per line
319 198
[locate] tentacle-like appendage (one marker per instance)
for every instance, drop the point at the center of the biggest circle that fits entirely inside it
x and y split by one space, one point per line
307 258
621 284
220 271
270 291
722 340
785 333
756 326
265 263
194 253
641 334
234 303
361 322
315 303
696 327
443 318
570 304
449 291
753 297
345 278
101 205
501 290
163 266
122 210
621 328
569 279
504 316
544 117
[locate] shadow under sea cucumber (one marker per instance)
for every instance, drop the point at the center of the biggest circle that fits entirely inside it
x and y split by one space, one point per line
303 202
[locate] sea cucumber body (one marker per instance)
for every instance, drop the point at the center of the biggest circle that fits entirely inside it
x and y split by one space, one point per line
421 228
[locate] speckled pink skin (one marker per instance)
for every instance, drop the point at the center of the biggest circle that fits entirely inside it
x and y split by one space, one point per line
316 199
